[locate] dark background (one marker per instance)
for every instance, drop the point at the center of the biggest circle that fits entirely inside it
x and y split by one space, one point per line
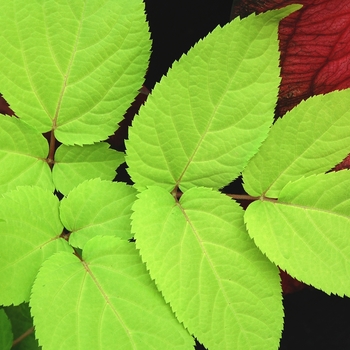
176 26
313 320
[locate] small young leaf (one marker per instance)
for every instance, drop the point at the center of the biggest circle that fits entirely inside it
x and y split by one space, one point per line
75 164
72 66
23 153
29 233
306 232
6 336
97 207
310 139
107 300
211 113
217 282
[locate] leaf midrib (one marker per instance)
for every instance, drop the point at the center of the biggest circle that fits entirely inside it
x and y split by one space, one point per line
298 158
212 267
69 68
308 209
108 302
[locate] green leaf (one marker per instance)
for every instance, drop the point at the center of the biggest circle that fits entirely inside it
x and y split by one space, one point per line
29 232
107 300
22 323
23 153
6 336
97 207
72 66
75 164
312 138
216 280
212 111
306 232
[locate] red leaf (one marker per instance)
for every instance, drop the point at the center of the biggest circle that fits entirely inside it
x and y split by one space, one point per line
4 107
290 284
315 47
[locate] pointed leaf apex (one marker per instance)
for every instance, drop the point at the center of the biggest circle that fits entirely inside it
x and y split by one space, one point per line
285 11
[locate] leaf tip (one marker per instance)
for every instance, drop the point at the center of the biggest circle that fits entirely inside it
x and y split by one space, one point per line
285 11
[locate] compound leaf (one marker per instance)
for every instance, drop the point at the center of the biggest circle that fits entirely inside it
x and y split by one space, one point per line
97 207
23 152
211 112
310 139
30 232
306 231
6 336
108 300
216 280
74 66
75 164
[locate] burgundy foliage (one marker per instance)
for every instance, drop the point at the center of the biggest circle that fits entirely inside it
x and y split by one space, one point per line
4 107
314 45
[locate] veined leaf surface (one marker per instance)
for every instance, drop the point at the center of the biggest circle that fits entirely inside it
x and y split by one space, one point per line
97 207
107 299
216 280
75 164
23 152
72 66
306 232
29 233
212 111
310 139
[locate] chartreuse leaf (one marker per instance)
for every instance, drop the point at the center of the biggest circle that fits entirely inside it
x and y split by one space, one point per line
6 336
211 113
22 324
306 231
23 152
108 300
97 207
216 280
310 139
30 232
75 164
72 66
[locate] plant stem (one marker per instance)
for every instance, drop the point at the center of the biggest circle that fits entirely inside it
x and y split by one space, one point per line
22 336
51 156
243 196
